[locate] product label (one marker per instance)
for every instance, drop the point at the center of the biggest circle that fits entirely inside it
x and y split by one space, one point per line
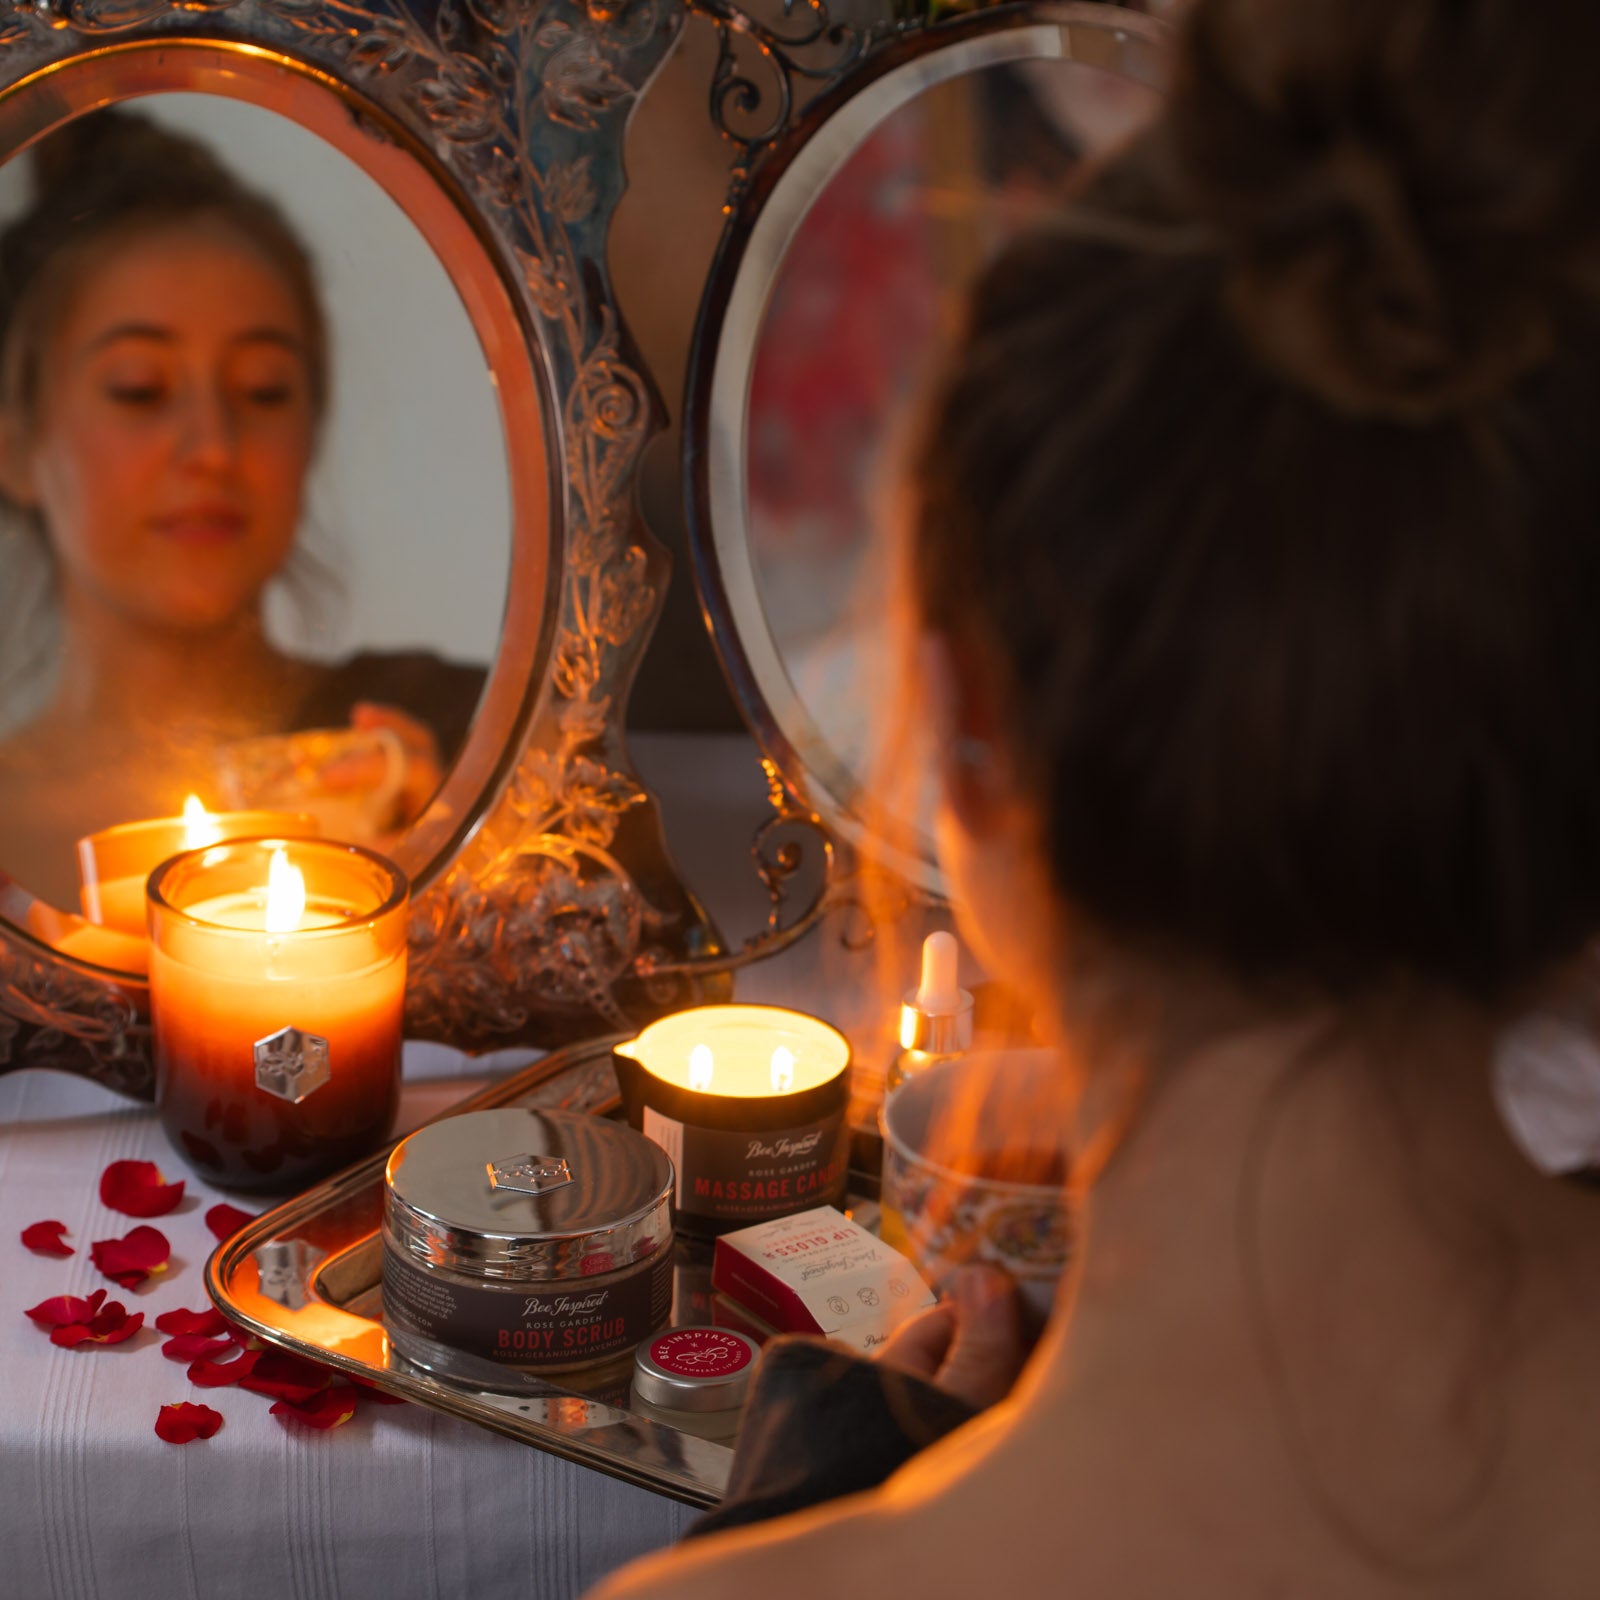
820 1272
747 1177
523 1326
700 1353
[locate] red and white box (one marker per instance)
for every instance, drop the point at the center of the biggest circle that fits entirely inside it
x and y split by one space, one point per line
818 1272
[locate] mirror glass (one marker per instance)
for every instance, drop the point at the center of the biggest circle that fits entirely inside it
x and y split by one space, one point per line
854 277
255 514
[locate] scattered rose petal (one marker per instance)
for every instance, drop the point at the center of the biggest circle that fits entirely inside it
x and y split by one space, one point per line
44 1239
63 1309
210 1322
137 1189
286 1377
225 1220
185 1421
132 1258
328 1408
194 1347
110 1325
208 1374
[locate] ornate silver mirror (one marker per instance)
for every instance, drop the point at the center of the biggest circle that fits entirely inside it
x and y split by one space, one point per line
858 225
498 442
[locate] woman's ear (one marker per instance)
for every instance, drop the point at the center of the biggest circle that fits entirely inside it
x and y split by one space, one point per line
16 460
976 767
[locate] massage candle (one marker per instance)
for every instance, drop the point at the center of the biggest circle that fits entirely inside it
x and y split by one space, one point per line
114 864
277 982
518 1243
749 1102
695 1379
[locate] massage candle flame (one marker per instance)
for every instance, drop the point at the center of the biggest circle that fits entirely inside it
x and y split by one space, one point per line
782 1070
199 826
286 894
701 1067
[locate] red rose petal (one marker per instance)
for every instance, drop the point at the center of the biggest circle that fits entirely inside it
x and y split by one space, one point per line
326 1409
210 1322
137 1189
207 1374
225 1220
62 1309
286 1377
44 1239
194 1347
109 1325
132 1258
185 1421
382 1397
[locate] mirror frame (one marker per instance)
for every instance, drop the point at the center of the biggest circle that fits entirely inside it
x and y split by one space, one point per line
787 167
544 901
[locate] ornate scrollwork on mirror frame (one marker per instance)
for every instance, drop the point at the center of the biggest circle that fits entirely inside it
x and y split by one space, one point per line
536 910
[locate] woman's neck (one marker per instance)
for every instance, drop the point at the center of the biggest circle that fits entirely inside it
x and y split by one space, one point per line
122 682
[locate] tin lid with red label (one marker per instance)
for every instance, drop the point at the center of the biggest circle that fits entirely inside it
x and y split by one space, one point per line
695 1369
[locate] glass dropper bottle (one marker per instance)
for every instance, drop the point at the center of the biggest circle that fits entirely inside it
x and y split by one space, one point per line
936 1017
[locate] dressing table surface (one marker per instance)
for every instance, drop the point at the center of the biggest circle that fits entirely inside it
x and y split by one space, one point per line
398 1502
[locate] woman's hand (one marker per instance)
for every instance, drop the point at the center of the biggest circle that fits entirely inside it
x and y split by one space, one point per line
971 1344
423 772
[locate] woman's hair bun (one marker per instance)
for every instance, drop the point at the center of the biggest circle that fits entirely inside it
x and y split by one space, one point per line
1407 192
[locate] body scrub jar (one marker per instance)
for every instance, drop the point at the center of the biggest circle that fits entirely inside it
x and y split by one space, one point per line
519 1243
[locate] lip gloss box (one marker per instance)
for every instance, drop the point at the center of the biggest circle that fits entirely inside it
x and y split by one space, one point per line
818 1272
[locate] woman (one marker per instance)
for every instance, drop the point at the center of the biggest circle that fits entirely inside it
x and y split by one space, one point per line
1256 551
163 378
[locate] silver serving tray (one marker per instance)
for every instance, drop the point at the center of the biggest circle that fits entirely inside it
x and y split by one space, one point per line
305 1277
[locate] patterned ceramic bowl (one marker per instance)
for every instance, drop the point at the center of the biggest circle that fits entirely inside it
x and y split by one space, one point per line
975 1169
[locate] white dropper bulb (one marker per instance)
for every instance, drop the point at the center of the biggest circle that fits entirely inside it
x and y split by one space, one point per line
940 993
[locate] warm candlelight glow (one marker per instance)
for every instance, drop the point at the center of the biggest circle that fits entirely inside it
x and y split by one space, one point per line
286 895
782 1070
701 1067
199 826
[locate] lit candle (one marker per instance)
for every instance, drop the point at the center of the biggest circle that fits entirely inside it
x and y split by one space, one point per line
749 1102
114 863
277 982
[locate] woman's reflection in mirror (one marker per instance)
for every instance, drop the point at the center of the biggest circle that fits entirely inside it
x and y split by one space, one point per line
164 375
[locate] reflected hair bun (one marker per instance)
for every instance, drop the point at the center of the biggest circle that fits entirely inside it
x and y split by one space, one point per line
111 148
1406 192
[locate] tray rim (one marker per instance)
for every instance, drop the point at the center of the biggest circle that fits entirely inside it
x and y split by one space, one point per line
436 1392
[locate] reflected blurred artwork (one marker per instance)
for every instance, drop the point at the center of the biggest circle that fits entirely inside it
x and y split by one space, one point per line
869 289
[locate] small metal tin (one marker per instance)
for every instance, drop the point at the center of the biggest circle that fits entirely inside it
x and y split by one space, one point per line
695 1378
524 1242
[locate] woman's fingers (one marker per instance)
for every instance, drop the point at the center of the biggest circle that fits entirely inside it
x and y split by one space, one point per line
920 1345
988 1348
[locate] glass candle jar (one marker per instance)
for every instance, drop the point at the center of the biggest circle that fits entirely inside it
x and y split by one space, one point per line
749 1101
277 982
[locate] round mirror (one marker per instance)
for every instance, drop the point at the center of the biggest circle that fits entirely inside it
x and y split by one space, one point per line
835 288
262 540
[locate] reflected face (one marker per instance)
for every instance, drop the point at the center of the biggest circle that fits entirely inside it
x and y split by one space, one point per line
174 428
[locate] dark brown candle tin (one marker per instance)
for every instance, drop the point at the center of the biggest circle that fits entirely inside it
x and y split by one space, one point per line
743 1156
518 1243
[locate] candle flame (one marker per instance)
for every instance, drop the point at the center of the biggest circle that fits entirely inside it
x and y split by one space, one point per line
199 826
701 1067
286 894
782 1070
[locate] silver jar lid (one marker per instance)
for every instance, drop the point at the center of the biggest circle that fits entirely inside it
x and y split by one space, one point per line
523 1195
695 1369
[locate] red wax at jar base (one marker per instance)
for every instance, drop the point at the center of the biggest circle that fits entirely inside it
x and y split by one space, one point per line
240 1137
